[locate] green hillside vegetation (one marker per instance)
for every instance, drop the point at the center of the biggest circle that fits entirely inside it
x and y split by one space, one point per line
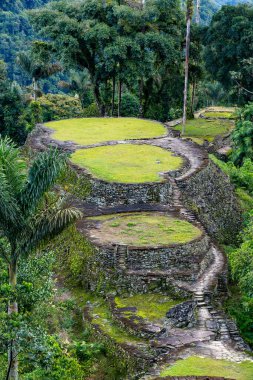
140 229
90 131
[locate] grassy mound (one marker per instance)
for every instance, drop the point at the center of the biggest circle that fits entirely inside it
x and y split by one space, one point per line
149 306
126 163
90 131
144 228
195 366
202 129
219 115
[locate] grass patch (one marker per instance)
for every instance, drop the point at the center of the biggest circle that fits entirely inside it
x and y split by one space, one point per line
142 228
149 306
217 115
202 129
196 366
101 316
90 131
127 163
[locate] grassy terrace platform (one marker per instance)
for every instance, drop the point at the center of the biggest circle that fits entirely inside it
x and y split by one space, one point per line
90 131
144 228
152 307
202 129
126 163
196 366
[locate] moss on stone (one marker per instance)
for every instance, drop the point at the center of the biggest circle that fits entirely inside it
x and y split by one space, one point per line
90 131
144 228
101 316
149 306
127 163
196 366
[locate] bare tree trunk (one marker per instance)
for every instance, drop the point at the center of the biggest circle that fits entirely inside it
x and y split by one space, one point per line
119 97
141 98
198 12
12 308
193 96
98 100
187 54
113 94
34 89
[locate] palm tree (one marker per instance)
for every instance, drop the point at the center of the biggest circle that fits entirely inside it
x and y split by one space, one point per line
37 69
189 12
80 83
27 218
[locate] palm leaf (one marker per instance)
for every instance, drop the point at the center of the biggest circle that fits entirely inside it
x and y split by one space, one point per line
50 224
42 175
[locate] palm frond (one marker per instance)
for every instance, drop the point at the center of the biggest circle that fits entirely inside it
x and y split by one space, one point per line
42 175
25 62
11 182
12 165
50 225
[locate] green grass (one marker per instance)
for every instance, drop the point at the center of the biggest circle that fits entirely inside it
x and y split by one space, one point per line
149 306
127 163
144 228
101 316
196 366
217 115
90 131
202 129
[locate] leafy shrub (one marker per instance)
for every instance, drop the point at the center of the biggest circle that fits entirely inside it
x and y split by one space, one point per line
56 107
129 105
242 135
91 111
240 176
174 113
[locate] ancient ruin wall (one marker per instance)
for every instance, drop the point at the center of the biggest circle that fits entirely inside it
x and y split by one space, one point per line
112 193
210 195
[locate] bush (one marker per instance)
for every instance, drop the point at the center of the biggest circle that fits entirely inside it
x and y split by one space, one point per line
91 111
56 107
242 135
129 105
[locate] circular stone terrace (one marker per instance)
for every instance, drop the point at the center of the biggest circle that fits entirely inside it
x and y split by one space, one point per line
126 160
140 229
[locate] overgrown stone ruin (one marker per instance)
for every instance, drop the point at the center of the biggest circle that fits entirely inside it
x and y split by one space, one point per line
195 272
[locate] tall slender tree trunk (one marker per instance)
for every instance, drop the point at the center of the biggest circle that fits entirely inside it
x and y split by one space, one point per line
35 88
187 55
193 96
141 98
12 308
98 100
113 94
198 12
119 97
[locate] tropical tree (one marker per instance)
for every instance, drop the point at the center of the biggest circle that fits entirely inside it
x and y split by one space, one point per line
28 215
79 82
229 50
37 64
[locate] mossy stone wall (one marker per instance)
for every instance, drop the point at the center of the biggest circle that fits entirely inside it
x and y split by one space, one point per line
113 194
210 195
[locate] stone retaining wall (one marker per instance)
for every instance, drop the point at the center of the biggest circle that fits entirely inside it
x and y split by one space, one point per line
112 193
135 270
210 195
